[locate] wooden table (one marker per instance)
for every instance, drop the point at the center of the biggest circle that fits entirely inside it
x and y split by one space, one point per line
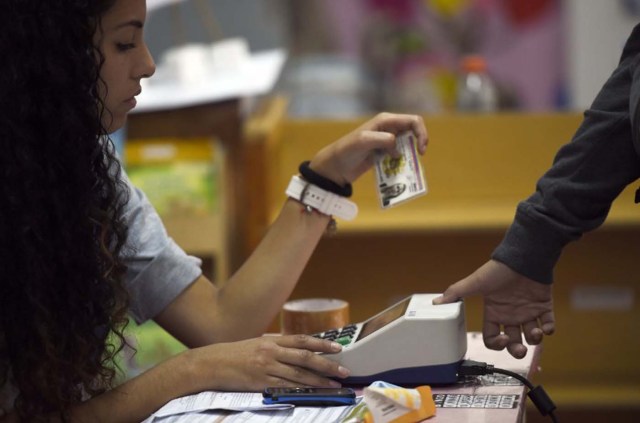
502 400
456 403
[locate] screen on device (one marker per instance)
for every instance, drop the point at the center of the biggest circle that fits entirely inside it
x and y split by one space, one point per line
383 319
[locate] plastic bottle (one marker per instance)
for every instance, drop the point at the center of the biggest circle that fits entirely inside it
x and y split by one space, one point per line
476 91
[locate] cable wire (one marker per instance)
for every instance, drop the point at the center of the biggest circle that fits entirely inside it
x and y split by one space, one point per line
537 394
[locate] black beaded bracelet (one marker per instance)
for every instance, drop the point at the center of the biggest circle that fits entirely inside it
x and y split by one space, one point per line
322 182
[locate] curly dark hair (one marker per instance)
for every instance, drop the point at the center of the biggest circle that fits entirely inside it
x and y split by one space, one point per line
62 301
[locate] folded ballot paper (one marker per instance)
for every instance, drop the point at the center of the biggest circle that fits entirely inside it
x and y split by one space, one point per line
387 403
211 400
382 403
240 407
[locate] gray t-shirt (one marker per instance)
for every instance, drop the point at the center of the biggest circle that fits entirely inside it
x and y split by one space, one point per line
158 270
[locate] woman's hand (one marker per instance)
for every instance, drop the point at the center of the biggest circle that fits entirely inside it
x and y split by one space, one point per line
346 159
257 363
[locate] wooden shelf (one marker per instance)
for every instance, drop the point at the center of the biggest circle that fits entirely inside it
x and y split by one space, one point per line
596 395
222 121
470 215
201 236
477 168
195 234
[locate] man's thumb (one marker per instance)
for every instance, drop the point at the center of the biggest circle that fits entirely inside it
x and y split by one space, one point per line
444 299
455 292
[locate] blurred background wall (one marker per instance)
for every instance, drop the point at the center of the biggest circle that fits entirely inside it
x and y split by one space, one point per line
406 54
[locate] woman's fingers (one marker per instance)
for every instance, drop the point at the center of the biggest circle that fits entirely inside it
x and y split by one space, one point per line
300 350
298 361
349 157
397 123
308 342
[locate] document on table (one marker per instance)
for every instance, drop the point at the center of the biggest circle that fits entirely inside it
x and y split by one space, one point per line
240 407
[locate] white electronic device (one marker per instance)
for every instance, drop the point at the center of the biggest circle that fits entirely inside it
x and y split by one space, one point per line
412 342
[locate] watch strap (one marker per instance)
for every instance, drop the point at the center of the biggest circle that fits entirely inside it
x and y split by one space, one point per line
323 201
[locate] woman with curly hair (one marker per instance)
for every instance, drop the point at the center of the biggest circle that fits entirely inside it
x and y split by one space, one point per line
80 248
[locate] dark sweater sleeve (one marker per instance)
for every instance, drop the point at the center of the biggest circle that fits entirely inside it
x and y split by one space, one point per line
574 196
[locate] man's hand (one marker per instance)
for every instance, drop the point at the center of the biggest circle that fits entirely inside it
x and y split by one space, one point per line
513 305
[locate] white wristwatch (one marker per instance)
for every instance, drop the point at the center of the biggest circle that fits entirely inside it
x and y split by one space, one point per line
324 201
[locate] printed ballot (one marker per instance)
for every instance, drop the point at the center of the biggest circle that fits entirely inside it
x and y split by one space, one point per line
400 178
